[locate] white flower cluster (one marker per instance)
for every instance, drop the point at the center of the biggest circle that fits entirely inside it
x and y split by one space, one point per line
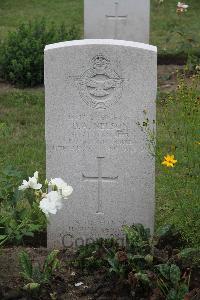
51 202
32 183
62 186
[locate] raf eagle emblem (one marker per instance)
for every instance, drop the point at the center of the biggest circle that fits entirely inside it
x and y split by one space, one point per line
100 86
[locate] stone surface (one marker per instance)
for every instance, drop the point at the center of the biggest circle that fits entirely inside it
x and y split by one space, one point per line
96 92
117 19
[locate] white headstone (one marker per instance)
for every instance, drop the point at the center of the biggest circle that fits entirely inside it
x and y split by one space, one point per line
117 19
96 92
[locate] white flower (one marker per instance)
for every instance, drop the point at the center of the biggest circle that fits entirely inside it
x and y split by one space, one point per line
62 186
31 183
78 284
36 175
59 182
182 5
66 191
51 203
24 186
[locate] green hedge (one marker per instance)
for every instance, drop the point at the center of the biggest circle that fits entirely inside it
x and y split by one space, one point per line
21 55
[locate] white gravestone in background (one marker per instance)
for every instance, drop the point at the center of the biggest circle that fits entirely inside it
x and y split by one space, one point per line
117 19
96 92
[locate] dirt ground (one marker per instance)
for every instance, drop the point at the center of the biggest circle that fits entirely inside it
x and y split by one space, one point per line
64 284
69 282
10 279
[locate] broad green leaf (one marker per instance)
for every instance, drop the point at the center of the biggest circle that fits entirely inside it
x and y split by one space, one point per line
164 230
175 274
182 290
143 277
164 270
187 252
172 295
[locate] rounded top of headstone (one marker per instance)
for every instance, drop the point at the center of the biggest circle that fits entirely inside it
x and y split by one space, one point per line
101 42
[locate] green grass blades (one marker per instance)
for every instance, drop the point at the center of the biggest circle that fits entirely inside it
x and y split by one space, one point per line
172 33
22 131
175 33
13 12
178 134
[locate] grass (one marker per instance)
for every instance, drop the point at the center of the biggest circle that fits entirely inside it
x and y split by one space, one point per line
22 131
177 190
178 133
12 12
174 33
165 23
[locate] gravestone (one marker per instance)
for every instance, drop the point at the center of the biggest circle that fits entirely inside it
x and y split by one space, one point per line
96 91
117 19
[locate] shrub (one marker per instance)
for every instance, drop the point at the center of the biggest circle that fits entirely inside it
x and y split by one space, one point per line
21 55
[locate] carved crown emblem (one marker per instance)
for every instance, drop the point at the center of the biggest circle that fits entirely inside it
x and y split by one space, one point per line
100 62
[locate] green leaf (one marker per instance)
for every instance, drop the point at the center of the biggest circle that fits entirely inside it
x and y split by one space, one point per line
182 290
26 265
187 253
138 238
113 263
3 237
164 230
31 286
143 277
172 295
37 274
149 258
31 234
50 264
175 274
164 270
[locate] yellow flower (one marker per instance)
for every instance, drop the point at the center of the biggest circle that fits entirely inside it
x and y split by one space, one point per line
169 161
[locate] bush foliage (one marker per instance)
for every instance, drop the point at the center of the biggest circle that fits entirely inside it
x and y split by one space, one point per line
21 55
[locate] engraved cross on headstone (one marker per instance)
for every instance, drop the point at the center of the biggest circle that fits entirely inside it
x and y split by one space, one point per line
116 18
100 179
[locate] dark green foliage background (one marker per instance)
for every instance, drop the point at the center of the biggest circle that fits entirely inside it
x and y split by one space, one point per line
22 54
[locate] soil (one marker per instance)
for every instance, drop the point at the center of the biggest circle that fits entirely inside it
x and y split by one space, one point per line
91 286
